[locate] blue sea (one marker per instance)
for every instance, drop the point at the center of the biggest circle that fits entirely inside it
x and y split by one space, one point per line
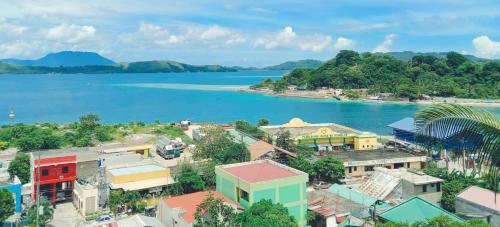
171 97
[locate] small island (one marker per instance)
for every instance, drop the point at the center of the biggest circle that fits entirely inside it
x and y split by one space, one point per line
382 78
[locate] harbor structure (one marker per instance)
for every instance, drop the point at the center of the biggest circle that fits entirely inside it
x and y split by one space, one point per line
477 202
324 136
250 182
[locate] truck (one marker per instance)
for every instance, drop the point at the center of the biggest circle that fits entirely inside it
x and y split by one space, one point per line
167 148
185 124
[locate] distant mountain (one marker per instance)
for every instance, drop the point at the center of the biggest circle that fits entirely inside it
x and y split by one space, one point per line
290 65
64 58
408 55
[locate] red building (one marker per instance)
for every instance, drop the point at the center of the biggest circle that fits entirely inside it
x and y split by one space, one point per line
57 175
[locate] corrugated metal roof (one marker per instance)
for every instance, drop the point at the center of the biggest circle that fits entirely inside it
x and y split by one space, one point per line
352 194
414 210
405 124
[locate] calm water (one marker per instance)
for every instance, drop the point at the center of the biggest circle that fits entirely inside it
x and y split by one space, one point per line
202 97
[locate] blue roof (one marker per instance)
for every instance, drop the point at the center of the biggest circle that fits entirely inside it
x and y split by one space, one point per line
405 124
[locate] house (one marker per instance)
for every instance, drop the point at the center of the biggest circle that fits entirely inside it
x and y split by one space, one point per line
85 197
13 185
476 202
401 184
324 136
55 173
144 177
258 149
362 163
414 210
292 88
180 210
250 182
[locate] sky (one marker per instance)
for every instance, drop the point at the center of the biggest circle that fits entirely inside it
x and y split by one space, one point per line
246 33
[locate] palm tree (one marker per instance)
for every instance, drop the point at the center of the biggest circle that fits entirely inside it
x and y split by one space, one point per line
477 129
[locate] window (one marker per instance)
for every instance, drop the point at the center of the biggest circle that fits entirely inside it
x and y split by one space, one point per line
424 188
368 168
244 195
65 169
432 185
438 188
398 165
355 168
350 169
45 172
408 165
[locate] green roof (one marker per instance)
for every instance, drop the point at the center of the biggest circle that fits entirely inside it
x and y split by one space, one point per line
415 209
354 195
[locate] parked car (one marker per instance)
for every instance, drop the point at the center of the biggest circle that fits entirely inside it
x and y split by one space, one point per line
104 218
321 185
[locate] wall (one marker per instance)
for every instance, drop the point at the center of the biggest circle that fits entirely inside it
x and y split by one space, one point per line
365 143
55 173
168 216
138 176
432 195
15 189
360 169
85 198
464 207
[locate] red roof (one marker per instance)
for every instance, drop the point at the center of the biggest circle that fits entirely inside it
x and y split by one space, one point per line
257 172
56 160
189 202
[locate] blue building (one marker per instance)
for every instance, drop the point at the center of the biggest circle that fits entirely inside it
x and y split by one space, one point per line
450 139
14 186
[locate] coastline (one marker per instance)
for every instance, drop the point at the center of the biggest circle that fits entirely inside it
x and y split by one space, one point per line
325 95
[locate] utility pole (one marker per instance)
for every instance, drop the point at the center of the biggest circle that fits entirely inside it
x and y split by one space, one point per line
38 191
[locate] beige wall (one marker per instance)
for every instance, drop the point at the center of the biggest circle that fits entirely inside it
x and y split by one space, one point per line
360 170
361 143
170 217
85 198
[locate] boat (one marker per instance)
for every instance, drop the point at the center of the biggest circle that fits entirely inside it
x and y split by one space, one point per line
12 114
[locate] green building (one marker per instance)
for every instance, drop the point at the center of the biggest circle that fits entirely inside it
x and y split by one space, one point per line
250 182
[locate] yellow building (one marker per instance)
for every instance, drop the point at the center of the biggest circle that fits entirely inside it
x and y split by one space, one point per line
324 136
148 178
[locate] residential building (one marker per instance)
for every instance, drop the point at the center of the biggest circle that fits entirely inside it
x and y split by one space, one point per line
55 173
476 202
85 197
144 177
414 210
324 136
363 163
402 184
11 184
250 182
179 210
258 149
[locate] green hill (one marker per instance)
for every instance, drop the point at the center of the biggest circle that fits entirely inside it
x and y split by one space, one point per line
408 55
290 65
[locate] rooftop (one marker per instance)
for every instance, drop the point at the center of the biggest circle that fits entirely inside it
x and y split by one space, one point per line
189 203
373 155
415 209
405 124
417 178
481 196
258 171
297 127
136 169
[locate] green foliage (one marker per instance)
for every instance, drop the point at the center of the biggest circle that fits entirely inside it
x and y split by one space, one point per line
20 167
249 129
45 217
30 137
329 168
284 140
115 201
213 212
303 161
187 179
89 122
439 221
289 65
263 122
265 214
219 146
4 145
453 75
173 132
7 204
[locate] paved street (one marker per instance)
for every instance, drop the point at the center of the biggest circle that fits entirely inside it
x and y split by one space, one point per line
65 215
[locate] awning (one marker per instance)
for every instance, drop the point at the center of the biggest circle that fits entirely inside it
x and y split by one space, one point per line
143 184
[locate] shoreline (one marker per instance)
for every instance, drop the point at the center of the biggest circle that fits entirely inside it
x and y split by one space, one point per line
323 95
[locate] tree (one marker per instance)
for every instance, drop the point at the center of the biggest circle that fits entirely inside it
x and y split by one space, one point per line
89 122
7 204
133 201
116 200
46 214
284 140
263 122
20 167
454 59
446 120
303 160
265 214
216 139
187 179
4 145
329 168
214 212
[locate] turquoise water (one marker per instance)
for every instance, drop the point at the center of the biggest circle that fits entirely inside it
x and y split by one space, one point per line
201 97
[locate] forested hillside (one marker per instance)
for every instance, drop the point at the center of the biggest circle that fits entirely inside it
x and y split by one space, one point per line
453 75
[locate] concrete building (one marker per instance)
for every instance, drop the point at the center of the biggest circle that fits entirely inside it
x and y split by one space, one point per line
363 163
142 177
13 185
179 210
85 197
324 136
250 182
258 149
142 149
476 202
402 184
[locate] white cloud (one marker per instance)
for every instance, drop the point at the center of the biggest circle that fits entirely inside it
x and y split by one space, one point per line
214 32
386 45
70 33
287 38
11 29
156 34
344 44
15 49
485 47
